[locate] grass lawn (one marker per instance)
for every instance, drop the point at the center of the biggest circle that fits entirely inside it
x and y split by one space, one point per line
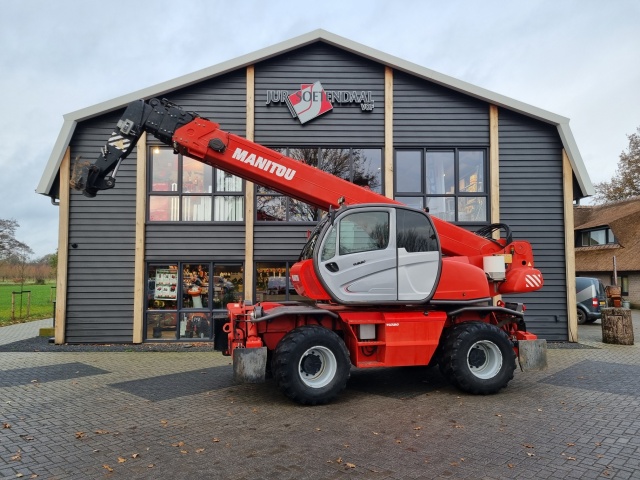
41 305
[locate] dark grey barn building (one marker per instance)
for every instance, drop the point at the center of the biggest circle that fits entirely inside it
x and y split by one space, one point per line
157 257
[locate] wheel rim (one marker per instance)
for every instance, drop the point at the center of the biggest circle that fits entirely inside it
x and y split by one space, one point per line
317 367
484 359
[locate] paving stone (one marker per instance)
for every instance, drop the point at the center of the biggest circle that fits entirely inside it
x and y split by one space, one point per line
177 414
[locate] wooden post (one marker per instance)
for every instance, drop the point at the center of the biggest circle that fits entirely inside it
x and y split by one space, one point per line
617 326
13 306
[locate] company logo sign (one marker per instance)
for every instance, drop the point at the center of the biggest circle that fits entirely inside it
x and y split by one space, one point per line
312 100
309 102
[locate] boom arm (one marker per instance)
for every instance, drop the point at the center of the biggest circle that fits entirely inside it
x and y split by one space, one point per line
202 139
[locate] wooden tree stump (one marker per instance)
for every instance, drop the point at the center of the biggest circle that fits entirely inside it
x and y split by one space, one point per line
617 326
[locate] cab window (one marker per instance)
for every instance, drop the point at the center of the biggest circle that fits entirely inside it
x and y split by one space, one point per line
363 232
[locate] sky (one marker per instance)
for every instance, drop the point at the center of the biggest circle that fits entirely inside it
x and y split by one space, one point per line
575 58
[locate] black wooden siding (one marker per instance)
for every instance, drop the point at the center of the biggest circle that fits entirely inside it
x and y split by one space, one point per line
428 115
345 125
275 241
531 202
101 266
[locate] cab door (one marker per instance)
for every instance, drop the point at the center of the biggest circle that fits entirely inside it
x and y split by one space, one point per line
419 257
356 259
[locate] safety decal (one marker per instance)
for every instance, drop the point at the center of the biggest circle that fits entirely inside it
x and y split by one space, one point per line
119 142
533 281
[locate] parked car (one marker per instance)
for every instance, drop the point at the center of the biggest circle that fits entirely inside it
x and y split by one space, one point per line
590 298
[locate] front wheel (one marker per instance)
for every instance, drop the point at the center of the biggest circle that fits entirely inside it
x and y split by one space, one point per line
311 365
478 358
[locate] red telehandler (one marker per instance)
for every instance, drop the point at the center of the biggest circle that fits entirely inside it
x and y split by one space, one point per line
388 285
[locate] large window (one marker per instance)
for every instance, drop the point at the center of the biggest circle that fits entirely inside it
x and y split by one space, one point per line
185 300
273 284
451 183
183 189
362 166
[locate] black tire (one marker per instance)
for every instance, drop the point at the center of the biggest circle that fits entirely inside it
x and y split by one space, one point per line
478 358
311 365
582 317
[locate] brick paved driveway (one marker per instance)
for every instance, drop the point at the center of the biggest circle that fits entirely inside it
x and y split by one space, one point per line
178 415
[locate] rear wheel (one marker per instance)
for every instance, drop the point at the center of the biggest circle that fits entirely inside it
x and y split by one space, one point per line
311 365
478 358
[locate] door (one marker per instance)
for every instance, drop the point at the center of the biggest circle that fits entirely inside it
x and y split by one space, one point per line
418 255
357 261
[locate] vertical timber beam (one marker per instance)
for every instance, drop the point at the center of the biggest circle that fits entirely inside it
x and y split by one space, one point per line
388 132
141 211
494 164
494 173
569 251
63 249
249 196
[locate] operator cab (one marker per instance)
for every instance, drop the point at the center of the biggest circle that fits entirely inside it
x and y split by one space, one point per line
375 254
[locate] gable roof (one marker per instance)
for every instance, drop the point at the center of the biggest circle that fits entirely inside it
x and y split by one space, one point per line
624 219
72 119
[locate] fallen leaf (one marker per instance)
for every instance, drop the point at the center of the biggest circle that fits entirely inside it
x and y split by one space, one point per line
215 440
510 465
539 409
80 434
350 465
339 460
6 425
184 452
417 428
531 454
101 432
121 460
199 450
179 444
458 426
135 455
151 465
526 445
571 444
571 458
375 433
19 475
107 467
18 456
498 415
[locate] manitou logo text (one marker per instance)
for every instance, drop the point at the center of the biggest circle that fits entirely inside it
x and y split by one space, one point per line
263 164
312 100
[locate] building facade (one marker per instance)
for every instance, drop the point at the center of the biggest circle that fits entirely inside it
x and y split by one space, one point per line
158 257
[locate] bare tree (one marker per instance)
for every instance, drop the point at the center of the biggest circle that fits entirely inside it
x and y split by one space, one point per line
9 245
626 182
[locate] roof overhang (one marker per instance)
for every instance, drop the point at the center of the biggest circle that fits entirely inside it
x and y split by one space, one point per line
72 119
